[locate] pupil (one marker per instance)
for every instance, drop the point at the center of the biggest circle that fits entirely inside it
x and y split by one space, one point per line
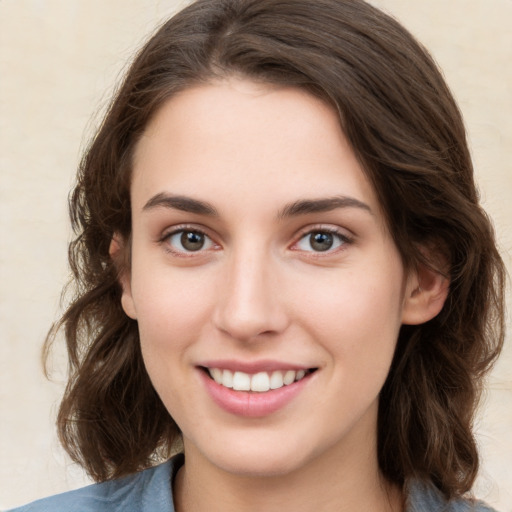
321 241
192 241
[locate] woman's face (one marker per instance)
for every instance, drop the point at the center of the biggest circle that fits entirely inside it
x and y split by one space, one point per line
260 258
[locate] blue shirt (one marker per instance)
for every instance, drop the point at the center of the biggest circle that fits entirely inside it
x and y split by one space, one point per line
151 491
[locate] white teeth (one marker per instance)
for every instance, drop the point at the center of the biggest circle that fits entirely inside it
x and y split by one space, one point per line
289 377
300 374
216 373
227 379
258 382
276 380
241 381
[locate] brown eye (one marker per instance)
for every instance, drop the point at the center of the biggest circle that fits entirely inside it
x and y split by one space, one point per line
192 241
187 241
321 241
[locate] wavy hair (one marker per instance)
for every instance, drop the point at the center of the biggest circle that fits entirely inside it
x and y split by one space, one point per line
403 124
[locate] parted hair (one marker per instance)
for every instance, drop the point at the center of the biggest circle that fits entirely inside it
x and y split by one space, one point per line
404 126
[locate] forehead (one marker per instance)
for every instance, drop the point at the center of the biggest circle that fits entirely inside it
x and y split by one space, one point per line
239 138
234 109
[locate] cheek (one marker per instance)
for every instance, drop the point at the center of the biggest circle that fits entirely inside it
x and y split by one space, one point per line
358 327
172 309
357 314
170 315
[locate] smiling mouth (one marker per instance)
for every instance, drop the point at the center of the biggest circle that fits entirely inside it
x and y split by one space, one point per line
260 382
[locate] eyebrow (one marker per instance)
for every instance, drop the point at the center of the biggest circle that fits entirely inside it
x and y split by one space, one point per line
300 207
183 203
305 206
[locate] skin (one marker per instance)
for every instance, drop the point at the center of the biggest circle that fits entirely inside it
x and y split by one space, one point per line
258 290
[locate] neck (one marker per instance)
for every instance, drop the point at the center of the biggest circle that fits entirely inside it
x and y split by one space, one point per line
342 479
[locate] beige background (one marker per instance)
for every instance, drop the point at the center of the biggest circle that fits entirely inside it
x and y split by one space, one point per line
59 60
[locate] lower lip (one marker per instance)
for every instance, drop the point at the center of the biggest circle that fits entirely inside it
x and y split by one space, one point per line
252 404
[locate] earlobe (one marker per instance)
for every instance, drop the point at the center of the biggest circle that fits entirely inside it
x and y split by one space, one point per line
425 295
117 252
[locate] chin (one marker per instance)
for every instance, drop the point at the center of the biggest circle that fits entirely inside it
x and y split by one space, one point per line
260 466
258 459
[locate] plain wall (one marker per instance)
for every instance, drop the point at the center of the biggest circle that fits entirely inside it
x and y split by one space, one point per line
59 61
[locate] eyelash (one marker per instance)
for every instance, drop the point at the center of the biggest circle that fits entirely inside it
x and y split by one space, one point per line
181 230
342 238
342 241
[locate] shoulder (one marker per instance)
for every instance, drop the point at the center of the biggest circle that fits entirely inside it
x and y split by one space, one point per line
146 491
423 496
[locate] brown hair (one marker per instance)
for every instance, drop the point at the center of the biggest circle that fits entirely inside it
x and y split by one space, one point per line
406 129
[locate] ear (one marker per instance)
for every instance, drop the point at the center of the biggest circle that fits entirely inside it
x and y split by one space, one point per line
118 254
425 295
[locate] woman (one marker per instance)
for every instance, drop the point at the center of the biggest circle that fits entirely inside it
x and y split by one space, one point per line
282 271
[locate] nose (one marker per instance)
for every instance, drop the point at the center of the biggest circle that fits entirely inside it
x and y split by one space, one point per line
249 303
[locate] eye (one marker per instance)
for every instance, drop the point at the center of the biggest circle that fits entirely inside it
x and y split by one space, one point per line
321 240
186 240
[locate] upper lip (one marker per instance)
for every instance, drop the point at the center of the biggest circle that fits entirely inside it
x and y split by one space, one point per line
253 367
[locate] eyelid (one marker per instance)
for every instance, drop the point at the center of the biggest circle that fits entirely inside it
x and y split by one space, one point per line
195 228
344 235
